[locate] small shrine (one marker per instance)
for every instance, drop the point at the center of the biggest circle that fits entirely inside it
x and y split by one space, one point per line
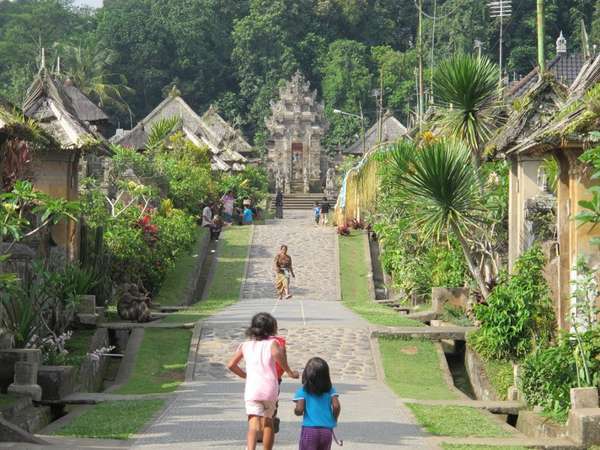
297 124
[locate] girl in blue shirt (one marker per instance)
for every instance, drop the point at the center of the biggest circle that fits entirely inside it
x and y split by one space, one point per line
318 402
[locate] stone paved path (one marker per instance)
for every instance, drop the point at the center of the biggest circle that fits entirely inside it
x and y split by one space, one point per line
208 412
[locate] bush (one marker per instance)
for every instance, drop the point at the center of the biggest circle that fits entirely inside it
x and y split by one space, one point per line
518 316
548 374
251 183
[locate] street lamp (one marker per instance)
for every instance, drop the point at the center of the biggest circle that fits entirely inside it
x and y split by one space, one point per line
362 123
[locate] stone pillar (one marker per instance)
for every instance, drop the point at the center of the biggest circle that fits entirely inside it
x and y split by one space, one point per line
26 371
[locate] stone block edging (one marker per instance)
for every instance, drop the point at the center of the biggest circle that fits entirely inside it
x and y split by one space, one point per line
369 261
201 248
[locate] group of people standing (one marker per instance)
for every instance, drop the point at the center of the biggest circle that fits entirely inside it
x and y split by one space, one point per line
321 211
214 221
317 401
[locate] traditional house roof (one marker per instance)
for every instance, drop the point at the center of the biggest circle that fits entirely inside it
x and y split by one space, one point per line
53 108
391 130
562 120
84 108
209 130
565 68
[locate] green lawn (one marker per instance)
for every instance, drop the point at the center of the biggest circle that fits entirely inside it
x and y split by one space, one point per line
355 285
160 362
446 446
224 288
456 421
412 369
172 291
112 420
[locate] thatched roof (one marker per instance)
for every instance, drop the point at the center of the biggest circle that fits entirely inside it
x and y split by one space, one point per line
391 130
565 123
13 125
48 103
209 130
84 108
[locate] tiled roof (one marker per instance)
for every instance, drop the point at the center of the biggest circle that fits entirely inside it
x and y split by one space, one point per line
565 68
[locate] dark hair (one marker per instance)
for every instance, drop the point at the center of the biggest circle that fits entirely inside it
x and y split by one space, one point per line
262 326
315 377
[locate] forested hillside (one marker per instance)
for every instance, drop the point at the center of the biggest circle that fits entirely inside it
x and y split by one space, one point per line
235 52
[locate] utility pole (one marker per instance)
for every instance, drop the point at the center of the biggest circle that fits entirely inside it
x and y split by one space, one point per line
501 9
478 46
420 53
540 36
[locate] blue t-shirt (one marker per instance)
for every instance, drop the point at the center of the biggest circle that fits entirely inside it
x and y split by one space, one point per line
317 211
317 408
247 215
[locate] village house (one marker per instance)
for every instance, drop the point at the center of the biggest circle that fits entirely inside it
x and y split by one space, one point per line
388 131
63 112
550 126
228 148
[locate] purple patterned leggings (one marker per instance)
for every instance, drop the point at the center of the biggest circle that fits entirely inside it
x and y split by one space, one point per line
314 438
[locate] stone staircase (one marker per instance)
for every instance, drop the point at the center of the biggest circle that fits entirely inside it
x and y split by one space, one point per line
300 201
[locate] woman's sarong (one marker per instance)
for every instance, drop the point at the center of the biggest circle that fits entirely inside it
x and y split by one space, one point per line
282 282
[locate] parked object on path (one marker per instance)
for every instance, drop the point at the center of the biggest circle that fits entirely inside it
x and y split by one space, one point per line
279 205
318 402
283 270
261 352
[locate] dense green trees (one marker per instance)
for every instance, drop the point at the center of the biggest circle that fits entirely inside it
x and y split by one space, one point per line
236 53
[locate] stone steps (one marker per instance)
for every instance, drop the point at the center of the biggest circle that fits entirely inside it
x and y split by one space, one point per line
300 201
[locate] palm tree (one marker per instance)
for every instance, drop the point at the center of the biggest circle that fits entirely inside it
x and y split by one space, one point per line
468 99
438 189
87 66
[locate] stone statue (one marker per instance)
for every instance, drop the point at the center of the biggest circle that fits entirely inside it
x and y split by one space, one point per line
330 189
133 303
305 181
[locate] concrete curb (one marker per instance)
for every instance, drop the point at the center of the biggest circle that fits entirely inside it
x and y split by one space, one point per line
336 255
126 368
247 263
369 261
193 353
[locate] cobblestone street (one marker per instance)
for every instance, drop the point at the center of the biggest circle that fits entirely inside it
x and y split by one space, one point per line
209 411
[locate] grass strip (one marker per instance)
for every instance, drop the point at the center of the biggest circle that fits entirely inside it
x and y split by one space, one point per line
172 291
500 374
456 421
224 288
354 273
160 363
112 420
412 369
447 446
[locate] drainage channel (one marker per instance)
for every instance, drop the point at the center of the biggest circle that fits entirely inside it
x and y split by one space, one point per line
454 351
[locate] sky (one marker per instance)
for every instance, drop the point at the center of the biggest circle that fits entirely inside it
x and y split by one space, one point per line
94 3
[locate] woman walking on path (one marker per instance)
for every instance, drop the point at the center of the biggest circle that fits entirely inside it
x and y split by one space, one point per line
261 352
283 271
228 201
279 205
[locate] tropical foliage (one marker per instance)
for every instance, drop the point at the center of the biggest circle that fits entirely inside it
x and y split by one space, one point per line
518 316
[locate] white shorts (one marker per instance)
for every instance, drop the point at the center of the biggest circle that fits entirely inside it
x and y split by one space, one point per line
261 408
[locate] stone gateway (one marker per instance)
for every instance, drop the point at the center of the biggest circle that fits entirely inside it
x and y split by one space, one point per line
296 126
